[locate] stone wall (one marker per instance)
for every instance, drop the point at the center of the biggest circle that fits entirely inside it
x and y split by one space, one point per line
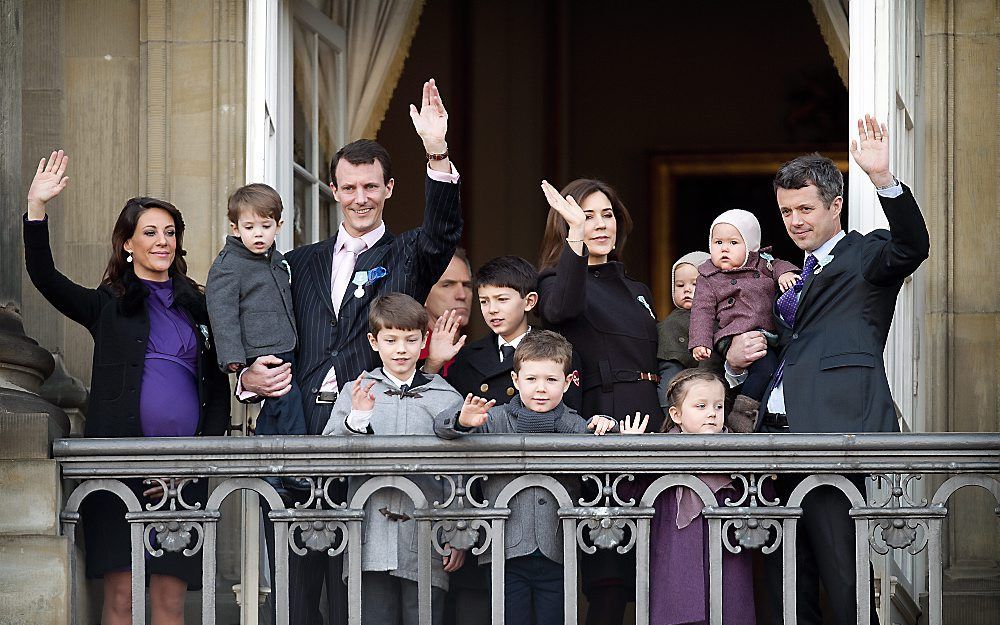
961 90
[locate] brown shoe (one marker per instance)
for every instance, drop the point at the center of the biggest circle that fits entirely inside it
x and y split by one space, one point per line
743 416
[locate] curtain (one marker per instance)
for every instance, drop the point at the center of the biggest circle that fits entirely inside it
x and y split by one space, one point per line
379 33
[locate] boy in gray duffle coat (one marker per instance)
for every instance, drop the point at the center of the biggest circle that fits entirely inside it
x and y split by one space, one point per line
395 399
532 535
250 306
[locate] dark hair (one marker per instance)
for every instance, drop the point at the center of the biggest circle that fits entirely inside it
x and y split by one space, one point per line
397 311
461 255
512 272
120 274
362 152
544 345
811 169
556 228
258 197
678 388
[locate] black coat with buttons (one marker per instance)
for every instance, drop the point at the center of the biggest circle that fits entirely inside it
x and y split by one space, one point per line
120 328
608 317
477 369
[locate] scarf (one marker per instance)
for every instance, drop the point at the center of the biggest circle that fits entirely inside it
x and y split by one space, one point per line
530 422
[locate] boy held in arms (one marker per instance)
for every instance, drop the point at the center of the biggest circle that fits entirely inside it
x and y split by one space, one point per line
533 538
506 289
249 300
395 399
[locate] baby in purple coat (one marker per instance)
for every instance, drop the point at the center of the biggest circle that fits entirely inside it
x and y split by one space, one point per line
678 548
736 291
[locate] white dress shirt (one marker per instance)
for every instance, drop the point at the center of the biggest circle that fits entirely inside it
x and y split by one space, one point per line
514 342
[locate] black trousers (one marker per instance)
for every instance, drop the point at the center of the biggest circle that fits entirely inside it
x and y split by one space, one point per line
306 576
824 553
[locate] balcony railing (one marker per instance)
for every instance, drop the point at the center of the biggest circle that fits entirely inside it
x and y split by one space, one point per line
894 517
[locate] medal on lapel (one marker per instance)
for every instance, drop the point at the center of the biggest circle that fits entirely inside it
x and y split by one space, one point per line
365 278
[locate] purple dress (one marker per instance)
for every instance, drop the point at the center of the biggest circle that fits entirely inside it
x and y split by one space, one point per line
168 402
678 562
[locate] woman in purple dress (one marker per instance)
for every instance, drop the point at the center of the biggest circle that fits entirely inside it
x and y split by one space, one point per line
154 374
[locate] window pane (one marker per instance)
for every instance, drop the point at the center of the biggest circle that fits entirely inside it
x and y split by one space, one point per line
303 212
327 218
329 98
303 54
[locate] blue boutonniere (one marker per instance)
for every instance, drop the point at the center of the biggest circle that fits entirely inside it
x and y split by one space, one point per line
823 262
366 278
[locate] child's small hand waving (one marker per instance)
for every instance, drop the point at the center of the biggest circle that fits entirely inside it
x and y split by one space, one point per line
787 280
362 398
442 346
474 411
601 425
636 426
701 353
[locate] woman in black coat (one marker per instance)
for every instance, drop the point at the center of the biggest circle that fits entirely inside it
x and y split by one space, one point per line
586 296
154 374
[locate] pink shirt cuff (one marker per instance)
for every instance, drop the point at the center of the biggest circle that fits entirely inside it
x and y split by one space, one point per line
441 176
242 394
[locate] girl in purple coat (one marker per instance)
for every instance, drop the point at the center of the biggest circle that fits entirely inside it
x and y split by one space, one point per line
678 548
736 293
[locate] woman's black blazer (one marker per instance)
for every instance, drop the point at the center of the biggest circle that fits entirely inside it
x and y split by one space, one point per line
120 343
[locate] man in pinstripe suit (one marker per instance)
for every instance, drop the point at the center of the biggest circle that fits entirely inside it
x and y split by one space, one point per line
333 283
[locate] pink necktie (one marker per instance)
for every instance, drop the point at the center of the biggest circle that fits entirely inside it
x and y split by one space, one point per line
343 269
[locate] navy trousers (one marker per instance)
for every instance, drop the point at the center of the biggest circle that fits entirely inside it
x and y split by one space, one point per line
533 586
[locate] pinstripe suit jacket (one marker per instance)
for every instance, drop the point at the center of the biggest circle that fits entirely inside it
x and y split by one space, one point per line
414 261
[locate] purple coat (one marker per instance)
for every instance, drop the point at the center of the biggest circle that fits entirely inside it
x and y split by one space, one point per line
728 302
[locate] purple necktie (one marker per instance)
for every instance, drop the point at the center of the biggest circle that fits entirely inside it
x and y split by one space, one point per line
788 303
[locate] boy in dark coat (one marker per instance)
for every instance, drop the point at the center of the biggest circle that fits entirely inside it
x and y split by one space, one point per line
250 304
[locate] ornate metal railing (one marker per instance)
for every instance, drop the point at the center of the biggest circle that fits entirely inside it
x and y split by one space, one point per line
892 518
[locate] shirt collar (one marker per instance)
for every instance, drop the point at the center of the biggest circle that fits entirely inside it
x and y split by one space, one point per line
399 383
370 238
824 250
513 342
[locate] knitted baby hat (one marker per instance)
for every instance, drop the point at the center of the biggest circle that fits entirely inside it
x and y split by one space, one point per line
745 222
691 258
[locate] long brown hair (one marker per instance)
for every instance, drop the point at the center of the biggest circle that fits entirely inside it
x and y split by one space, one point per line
120 274
556 228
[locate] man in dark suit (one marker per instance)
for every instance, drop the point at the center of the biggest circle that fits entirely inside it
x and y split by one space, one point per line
333 283
832 332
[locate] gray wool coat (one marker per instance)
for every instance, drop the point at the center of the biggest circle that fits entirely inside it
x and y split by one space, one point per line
249 300
389 545
534 513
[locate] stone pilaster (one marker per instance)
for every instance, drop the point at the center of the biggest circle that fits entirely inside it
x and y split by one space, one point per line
11 68
962 340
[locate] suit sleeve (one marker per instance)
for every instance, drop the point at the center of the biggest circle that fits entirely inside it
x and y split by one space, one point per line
79 303
446 423
908 244
563 293
702 327
222 293
437 237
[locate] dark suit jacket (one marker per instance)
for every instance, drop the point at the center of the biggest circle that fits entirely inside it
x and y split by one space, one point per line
834 378
120 343
477 369
414 261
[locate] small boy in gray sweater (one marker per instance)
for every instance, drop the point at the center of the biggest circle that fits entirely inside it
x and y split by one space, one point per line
249 299
533 538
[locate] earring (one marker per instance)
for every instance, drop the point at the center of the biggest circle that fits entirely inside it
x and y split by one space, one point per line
128 258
